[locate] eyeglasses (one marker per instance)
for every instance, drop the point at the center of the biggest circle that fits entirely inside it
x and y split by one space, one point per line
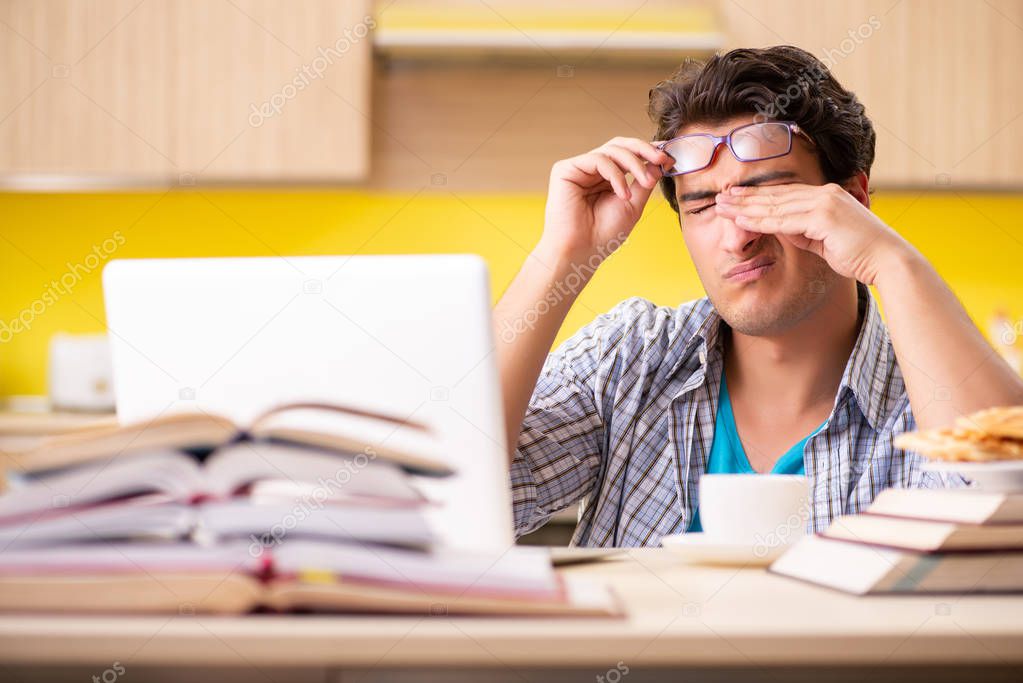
749 142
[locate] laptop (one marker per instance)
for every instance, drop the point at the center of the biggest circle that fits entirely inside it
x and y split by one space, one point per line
406 335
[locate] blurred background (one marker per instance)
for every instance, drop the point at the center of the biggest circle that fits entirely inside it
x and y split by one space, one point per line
148 128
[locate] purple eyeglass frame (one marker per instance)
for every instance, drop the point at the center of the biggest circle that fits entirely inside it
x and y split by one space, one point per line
726 140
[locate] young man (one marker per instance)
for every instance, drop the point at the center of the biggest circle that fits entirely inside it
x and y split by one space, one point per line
785 366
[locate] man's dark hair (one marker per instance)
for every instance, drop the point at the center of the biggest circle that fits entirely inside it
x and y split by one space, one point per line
775 83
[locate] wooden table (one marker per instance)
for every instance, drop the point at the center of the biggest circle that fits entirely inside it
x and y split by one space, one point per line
713 623
25 430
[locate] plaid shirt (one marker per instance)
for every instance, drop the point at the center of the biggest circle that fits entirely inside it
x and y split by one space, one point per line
623 415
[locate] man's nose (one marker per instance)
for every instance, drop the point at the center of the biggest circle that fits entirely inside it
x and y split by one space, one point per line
735 239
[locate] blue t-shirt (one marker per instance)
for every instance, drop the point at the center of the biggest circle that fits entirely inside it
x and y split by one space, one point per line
727 455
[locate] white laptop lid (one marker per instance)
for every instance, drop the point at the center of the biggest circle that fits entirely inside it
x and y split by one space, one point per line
406 335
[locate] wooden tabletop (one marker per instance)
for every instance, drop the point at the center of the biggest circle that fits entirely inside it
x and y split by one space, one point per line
47 423
679 615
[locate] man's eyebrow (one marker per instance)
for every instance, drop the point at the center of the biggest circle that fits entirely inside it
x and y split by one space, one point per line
748 182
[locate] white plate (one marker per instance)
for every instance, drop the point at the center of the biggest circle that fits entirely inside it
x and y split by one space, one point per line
999 475
703 549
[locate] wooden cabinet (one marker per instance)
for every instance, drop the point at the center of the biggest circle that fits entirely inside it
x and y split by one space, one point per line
487 96
180 92
939 78
122 93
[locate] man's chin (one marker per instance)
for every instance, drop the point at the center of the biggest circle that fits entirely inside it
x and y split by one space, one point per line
754 323
762 313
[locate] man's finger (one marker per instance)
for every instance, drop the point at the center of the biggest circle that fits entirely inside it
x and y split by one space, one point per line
640 195
765 209
792 224
644 150
763 198
785 188
610 171
628 161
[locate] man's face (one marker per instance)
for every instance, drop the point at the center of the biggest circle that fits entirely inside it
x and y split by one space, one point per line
759 284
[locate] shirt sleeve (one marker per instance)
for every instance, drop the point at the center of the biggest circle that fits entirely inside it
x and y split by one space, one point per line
563 440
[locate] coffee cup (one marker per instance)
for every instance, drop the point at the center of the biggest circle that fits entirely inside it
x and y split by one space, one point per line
765 510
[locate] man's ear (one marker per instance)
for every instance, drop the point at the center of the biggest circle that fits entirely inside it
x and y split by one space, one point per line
858 186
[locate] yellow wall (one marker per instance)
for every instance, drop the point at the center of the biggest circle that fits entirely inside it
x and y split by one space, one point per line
975 240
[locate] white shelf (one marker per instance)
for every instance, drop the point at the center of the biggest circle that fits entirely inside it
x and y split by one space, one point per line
404 40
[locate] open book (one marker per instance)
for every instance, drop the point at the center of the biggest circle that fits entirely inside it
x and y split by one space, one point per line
406 443
264 472
343 473
154 518
305 576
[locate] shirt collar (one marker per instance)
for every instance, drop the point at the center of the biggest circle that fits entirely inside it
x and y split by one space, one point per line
706 338
868 374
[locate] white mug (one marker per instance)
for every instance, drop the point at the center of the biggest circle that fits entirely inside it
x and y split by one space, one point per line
80 374
765 510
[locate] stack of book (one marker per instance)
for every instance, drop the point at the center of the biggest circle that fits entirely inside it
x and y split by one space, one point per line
918 541
311 507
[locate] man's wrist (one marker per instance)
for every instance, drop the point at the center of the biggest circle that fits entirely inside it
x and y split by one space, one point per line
896 262
563 273
561 261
